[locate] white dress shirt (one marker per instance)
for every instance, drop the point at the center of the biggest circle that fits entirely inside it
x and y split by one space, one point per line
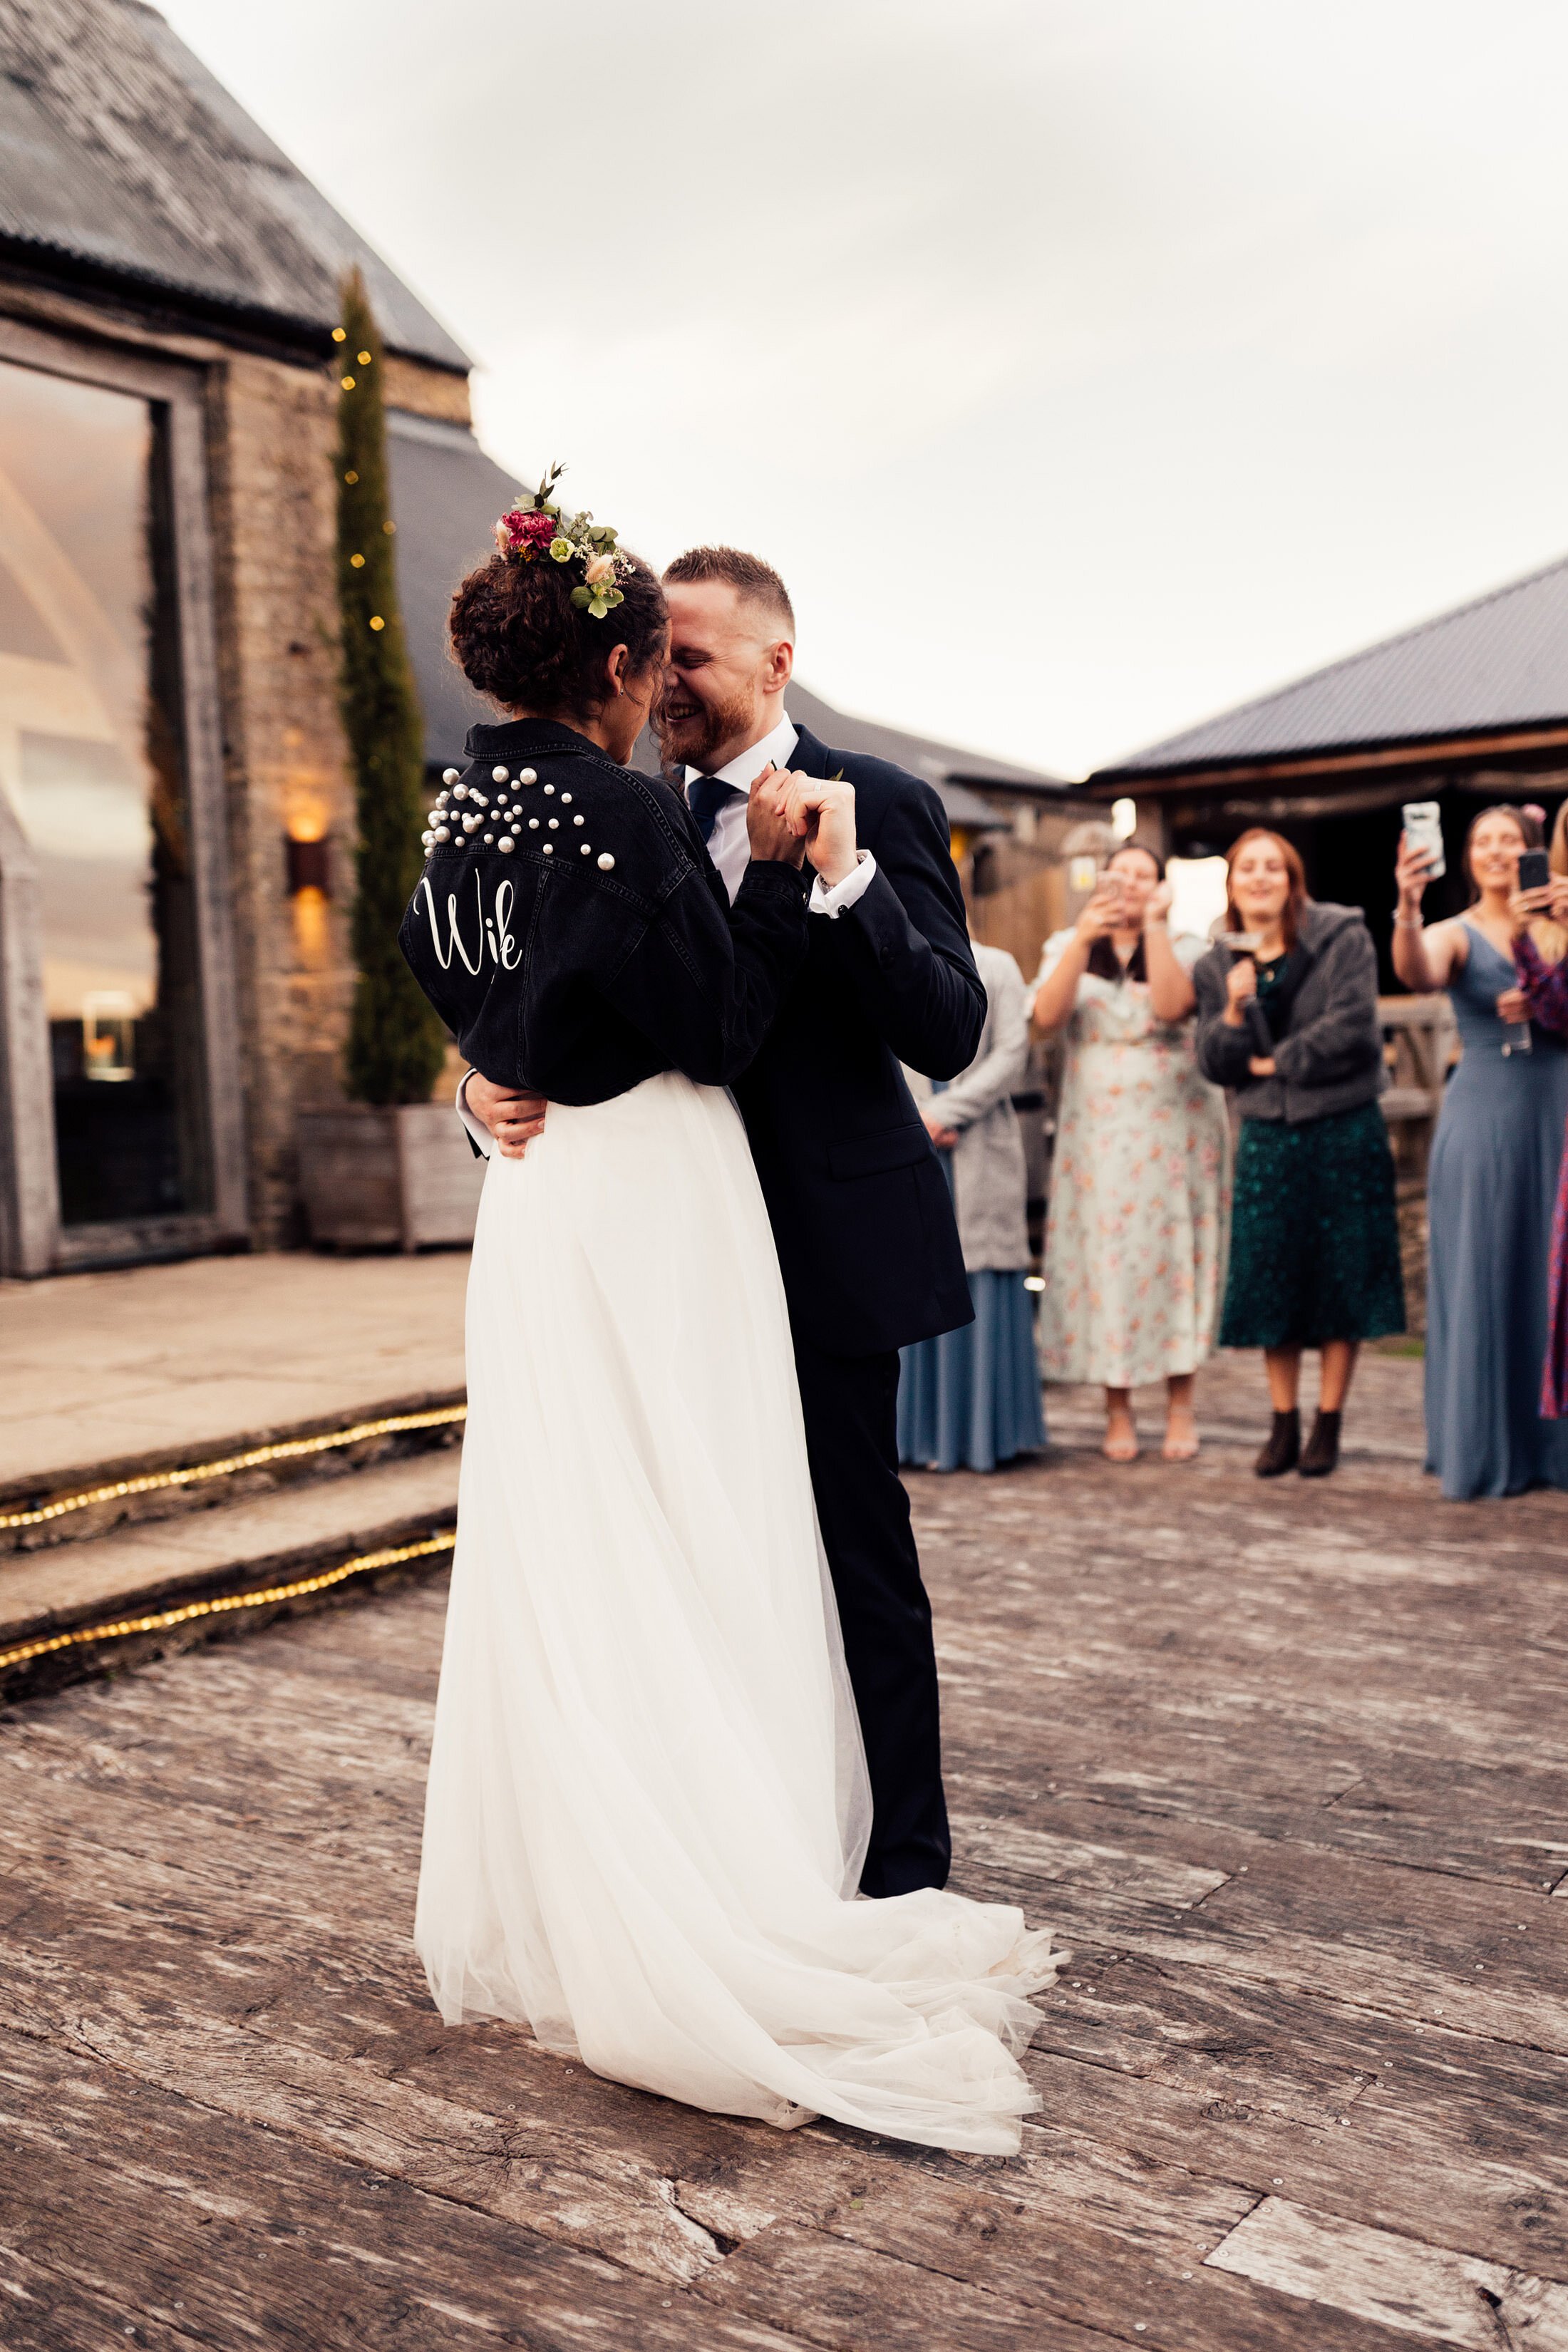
729 848
728 844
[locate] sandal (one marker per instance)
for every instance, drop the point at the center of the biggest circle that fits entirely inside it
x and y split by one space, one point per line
1181 1443
1120 1438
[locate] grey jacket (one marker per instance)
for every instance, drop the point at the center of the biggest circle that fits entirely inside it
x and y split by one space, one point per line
1330 1057
990 1180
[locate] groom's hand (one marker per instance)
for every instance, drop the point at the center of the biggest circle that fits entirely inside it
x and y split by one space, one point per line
513 1119
822 811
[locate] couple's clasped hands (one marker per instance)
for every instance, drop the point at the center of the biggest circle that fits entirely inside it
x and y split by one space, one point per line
790 818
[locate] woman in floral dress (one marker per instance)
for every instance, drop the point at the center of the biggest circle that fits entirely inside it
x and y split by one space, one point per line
1140 1180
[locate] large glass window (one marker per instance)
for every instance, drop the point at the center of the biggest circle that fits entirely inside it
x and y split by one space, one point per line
92 761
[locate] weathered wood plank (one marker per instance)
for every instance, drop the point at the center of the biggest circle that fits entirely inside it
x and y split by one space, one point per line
844 2291
186 2220
1422 2290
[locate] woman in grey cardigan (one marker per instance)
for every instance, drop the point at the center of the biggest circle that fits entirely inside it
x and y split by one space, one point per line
1292 1029
974 1395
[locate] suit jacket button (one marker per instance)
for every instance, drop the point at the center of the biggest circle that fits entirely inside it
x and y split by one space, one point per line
889 953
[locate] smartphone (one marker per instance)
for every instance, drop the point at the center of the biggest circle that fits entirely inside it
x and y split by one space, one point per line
1534 870
1424 830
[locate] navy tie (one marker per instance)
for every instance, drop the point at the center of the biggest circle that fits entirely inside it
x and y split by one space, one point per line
705 797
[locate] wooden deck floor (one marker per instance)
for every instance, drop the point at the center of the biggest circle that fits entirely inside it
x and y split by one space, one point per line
1286 1766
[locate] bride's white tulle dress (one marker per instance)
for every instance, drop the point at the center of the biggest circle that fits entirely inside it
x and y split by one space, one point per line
647 1803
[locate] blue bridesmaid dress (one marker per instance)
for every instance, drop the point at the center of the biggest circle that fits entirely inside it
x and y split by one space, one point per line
1491 1189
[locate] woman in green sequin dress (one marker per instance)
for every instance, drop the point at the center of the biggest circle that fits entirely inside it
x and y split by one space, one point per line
1314 1251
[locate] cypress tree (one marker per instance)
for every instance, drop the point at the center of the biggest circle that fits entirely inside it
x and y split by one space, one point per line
396 1043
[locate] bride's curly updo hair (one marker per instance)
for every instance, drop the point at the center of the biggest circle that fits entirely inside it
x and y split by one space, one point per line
518 637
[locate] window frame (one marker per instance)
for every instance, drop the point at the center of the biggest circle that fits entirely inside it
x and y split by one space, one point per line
33 1240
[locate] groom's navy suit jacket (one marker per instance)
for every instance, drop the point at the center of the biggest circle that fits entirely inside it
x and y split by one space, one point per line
859 1201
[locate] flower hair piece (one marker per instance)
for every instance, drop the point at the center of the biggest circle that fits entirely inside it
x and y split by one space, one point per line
536 526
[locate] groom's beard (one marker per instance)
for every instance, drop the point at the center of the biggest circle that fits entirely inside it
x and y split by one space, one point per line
689 732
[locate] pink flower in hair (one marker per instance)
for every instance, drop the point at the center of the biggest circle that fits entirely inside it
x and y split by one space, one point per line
525 534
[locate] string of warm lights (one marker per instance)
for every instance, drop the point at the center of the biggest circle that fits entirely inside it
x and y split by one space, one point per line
288 1449
162 1619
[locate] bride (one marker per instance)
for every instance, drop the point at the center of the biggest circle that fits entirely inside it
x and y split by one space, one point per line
647 1802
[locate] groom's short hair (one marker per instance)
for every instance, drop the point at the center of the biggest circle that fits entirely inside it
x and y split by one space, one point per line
748 575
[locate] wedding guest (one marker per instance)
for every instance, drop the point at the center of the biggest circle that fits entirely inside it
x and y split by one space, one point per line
973 1396
1545 986
1314 1248
1139 1186
1493 1176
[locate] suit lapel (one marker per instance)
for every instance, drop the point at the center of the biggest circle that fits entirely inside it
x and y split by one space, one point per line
809 757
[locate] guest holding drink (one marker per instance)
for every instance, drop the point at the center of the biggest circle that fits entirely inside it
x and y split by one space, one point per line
1140 1191
972 1398
1290 1025
1492 1179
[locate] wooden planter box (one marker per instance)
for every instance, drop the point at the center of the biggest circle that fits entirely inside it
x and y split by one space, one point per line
399 1178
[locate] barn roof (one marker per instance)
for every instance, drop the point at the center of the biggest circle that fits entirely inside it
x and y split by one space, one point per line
1499 662
122 158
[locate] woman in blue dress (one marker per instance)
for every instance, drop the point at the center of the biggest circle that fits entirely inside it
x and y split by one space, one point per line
972 1398
1492 1181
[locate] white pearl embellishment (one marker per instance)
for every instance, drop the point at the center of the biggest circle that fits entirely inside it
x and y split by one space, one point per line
549 788
450 775
505 844
605 861
549 849
566 802
555 825
443 833
587 849
526 776
534 825
498 775
459 792
578 820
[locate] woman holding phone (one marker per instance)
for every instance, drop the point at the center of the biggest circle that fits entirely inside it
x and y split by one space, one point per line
1140 1184
1494 1173
1314 1255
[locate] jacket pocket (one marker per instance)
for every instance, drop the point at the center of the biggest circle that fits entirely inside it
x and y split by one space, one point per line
875 1155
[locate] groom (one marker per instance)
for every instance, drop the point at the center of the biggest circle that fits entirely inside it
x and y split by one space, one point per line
861 1211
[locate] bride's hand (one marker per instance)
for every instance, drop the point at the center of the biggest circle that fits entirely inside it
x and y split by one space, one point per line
512 1118
772 837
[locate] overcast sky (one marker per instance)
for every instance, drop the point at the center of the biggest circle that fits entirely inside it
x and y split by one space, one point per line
1085 366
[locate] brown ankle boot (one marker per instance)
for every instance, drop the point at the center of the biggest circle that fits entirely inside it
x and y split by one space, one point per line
1323 1454
1283 1449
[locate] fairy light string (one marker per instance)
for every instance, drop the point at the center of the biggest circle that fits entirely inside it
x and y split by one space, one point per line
160 1620
255 1457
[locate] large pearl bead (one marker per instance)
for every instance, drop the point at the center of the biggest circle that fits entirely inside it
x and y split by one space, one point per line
506 844
443 833
606 862
450 775
500 776
526 776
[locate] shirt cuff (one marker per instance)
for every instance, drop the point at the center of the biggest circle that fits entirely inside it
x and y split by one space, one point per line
844 895
481 1135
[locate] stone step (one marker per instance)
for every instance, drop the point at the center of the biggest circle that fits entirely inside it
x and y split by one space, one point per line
250 1544
85 1502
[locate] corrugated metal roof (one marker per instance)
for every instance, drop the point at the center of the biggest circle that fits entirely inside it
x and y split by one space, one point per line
1500 662
118 150
445 496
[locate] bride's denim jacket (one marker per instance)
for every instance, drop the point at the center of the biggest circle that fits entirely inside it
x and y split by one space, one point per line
573 935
